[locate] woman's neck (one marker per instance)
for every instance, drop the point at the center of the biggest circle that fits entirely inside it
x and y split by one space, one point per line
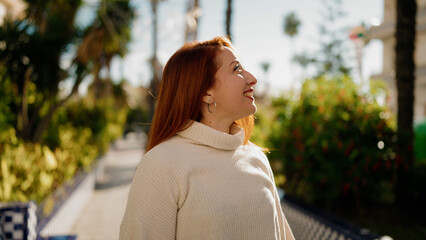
220 125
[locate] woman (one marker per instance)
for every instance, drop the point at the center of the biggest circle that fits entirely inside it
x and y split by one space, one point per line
201 178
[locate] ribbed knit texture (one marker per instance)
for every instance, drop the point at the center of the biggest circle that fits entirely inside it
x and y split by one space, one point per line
203 184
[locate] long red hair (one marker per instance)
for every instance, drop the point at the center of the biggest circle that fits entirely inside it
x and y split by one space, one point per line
187 76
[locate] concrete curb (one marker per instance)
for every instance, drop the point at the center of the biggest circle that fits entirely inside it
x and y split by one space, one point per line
68 201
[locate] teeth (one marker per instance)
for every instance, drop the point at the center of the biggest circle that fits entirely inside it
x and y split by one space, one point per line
248 94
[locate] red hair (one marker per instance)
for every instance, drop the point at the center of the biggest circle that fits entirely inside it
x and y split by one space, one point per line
187 76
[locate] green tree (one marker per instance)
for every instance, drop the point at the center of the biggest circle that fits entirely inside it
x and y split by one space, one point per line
104 39
31 58
33 49
335 145
329 60
291 24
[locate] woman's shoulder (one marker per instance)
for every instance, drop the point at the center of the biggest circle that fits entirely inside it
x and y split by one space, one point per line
252 147
254 151
167 152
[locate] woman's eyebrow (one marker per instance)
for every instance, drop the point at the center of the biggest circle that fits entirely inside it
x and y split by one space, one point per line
235 61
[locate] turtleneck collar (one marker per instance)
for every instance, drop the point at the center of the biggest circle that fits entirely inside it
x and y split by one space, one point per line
206 135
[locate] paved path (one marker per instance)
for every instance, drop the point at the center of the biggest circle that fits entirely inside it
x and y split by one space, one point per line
102 216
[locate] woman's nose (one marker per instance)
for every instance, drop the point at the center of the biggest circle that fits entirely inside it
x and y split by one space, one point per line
251 80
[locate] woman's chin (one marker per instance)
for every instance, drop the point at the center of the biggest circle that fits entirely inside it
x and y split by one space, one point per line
254 109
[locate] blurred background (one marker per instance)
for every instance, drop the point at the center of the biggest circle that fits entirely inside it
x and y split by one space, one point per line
342 111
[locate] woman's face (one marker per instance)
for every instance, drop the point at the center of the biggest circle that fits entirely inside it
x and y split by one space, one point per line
233 87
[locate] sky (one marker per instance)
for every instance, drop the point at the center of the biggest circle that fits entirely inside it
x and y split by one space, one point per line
257 29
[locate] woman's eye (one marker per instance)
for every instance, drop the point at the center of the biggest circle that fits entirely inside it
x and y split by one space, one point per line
238 68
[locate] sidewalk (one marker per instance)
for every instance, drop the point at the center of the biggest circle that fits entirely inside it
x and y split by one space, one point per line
102 216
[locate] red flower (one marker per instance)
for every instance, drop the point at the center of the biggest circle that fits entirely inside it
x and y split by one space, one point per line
349 149
388 164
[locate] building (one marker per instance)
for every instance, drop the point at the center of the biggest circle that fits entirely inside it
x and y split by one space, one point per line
386 32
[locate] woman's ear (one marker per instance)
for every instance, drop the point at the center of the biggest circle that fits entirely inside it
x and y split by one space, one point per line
208 98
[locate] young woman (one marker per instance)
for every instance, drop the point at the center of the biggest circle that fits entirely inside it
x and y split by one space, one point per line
201 177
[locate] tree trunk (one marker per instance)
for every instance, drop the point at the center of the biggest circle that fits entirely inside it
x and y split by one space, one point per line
196 17
192 15
405 68
228 19
155 81
44 122
97 82
23 126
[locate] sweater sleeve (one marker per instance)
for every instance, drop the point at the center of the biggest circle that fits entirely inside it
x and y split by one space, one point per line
152 202
284 227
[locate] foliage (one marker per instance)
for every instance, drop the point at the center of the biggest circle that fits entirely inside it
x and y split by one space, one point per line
105 125
32 49
335 144
106 38
329 59
291 24
6 96
77 135
45 138
30 56
420 142
137 120
32 171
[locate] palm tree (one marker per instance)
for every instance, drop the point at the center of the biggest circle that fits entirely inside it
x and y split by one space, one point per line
291 28
405 67
329 60
156 66
228 19
193 13
105 38
31 58
41 51
291 24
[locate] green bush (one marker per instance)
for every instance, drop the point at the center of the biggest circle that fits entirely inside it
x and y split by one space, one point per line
32 171
79 133
137 120
420 142
105 119
6 96
335 145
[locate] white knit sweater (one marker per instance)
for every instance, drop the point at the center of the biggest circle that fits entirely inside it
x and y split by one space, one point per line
204 184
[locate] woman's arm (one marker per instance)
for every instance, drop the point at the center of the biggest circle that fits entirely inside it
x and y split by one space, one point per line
288 232
151 206
284 227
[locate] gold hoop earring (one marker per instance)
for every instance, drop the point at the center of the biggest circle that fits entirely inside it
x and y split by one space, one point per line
208 107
